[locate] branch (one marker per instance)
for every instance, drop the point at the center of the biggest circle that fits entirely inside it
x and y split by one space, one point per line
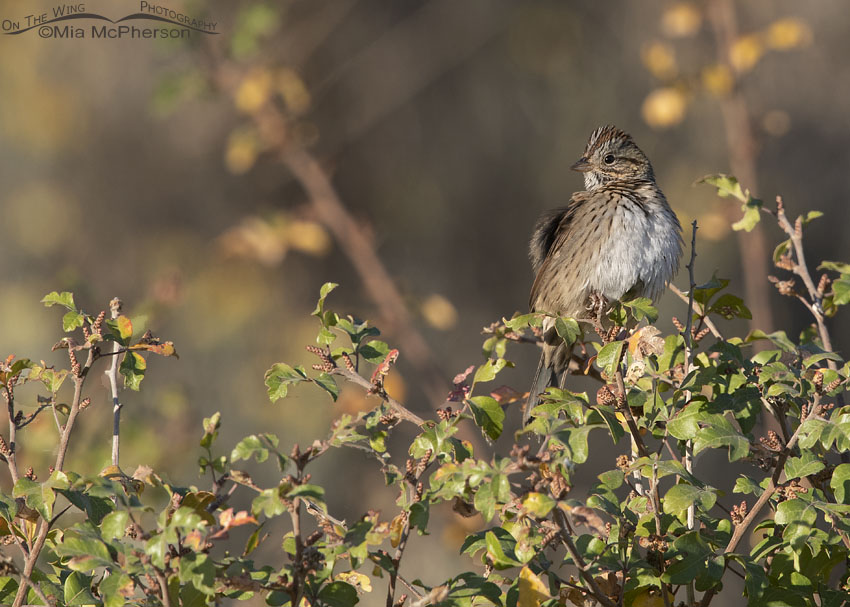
399 409
354 241
11 458
801 269
582 567
112 374
627 412
741 529
700 310
742 149
44 528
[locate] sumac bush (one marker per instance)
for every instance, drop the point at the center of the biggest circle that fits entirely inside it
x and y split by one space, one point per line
650 531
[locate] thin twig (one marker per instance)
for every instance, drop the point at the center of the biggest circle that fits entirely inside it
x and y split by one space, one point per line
112 374
399 409
11 459
700 310
689 445
801 269
583 569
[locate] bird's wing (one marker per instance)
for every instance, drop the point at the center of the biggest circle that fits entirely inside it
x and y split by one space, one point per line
551 242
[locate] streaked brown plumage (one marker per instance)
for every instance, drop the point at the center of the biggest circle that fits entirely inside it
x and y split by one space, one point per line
617 237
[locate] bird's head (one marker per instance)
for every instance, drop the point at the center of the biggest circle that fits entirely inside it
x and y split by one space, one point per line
612 155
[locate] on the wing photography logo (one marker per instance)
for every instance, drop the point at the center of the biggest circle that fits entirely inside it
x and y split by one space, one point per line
74 21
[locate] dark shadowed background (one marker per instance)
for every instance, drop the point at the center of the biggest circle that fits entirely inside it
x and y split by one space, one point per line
144 169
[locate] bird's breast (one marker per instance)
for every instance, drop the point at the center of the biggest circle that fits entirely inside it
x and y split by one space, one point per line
642 248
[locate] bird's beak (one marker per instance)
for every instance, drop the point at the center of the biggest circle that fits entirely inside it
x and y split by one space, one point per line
582 165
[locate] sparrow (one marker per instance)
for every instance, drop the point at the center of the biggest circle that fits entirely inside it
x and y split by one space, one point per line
617 239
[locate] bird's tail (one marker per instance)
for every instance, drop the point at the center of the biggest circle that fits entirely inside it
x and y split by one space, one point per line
545 377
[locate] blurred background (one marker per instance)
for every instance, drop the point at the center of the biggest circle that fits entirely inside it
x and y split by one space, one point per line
402 149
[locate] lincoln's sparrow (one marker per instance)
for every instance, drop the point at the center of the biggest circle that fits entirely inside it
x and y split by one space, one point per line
618 237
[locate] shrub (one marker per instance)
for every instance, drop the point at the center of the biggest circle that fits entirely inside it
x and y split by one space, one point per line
650 531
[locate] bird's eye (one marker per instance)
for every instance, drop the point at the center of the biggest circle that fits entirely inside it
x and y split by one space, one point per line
609 159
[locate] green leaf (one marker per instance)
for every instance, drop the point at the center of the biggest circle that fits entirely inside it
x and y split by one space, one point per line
65 298
37 496
280 377
609 357
567 329
798 467
835 266
811 215
269 503
747 485
538 504
85 548
796 511
840 483
693 550
311 492
729 306
419 514
841 290
685 425
501 552
77 589
338 594
718 432
111 587
522 321
114 524
211 426
374 351
72 320
680 497
489 370
726 185
488 415
751 216
198 570
641 308
253 446
133 369
328 384
320 304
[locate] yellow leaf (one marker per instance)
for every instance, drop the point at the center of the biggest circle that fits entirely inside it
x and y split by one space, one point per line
111 471
660 59
242 151
538 504
396 529
717 79
532 591
681 20
125 327
356 579
788 33
308 237
648 599
293 90
439 312
746 52
664 107
253 91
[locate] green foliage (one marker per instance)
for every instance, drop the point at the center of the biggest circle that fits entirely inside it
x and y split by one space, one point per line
626 539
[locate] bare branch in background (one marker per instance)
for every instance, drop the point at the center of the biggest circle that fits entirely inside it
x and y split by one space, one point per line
741 144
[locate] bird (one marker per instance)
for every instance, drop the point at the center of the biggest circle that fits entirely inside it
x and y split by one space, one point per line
617 239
